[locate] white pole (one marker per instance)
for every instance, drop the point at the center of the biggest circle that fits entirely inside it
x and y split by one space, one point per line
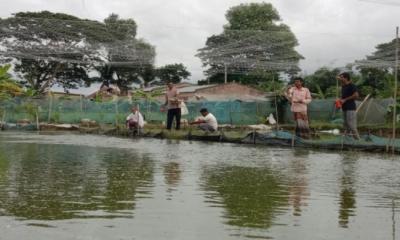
396 69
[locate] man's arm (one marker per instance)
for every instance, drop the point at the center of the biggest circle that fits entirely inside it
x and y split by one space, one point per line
308 98
288 94
197 122
166 100
354 96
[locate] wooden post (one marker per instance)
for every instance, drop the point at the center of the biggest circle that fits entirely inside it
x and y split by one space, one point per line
362 103
37 119
226 73
276 102
50 106
293 137
396 69
138 127
3 118
116 114
81 101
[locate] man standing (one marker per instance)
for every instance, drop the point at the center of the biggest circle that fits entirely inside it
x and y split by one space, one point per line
299 97
208 122
349 95
173 104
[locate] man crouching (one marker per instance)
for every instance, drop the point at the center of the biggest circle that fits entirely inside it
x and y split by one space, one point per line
135 121
208 122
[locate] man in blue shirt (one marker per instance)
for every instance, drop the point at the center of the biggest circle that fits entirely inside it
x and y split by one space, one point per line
348 100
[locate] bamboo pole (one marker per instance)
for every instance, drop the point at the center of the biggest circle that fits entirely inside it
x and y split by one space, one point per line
138 127
395 90
37 119
81 101
362 103
3 118
276 102
50 106
116 114
226 73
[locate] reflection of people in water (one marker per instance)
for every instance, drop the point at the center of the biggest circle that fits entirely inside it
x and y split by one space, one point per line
347 193
172 175
298 189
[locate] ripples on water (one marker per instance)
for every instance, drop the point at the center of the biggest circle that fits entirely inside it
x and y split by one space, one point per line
93 187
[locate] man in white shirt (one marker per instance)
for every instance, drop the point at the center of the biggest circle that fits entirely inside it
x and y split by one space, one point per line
208 122
135 120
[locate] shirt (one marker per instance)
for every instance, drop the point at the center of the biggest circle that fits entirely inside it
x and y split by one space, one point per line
296 94
211 120
172 101
136 117
347 91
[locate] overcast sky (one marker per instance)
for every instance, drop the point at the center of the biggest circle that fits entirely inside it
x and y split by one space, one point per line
330 32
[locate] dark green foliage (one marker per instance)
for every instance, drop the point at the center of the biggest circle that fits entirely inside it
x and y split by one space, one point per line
173 73
57 48
323 82
253 41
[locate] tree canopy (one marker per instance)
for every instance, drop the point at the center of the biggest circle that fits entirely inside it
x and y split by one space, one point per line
172 73
377 70
57 48
254 39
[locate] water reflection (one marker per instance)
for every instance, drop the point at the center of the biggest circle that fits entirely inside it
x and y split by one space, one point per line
347 202
63 181
172 176
252 197
298 183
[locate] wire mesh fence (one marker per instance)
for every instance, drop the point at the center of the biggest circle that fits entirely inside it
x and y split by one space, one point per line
64 110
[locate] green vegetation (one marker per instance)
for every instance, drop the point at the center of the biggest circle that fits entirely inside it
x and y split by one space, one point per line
8 87
254 46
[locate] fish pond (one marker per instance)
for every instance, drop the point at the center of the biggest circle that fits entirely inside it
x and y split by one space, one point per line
68 186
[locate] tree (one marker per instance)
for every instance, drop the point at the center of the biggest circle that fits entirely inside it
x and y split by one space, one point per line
253 40
130 60
173 73
121 29
52 48
377 70
324 82
56 48
8 87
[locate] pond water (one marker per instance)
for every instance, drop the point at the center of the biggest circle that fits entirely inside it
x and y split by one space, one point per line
66 186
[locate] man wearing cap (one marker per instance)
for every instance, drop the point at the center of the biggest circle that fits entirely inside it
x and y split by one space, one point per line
208 122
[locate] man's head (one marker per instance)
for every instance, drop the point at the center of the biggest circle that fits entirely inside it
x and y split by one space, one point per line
204 112
134 109
344 78
298 82
170 85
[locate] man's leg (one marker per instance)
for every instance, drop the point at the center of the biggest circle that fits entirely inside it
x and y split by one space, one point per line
170 118
352 123
345 125
206 127
132 124
178 118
